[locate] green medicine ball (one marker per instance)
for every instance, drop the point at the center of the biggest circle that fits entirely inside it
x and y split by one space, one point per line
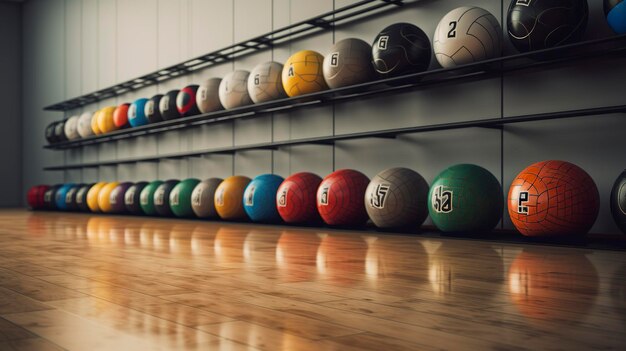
146 198
465 198
180 198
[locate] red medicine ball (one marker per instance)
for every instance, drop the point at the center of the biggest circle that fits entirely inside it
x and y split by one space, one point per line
35 196
120 116
186 101
295 198
340 198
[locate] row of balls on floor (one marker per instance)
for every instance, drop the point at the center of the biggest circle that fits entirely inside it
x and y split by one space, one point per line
550 198
464 35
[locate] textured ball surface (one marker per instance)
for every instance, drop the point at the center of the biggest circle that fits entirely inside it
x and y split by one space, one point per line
137 113
397 198
116 198
104 197
233 90
120 116
84 125
259 198
203 198
553 198
153 114
466 35
265 82
340 198
71 128
229 198
186 101
615 11
92 196
303 73
167 106
132 198
180 197
296 198
465 198
399 49
541 24
208 96
81 197
146 198
349 62
618 202
162 198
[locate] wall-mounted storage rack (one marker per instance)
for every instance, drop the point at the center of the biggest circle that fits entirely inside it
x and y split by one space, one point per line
480 70
325 21
388 133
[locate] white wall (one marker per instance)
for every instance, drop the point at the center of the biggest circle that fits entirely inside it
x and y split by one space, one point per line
73 47
10 100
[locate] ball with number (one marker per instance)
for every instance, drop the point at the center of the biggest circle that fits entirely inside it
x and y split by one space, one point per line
167 106
465 198
233 90
397 198
180 197
303 73
259 198
296 198
399 49
202 198
208 96
553 198
186 101
340 198
152 109
229 198
349 62
466 35
265 82
132 198
162 198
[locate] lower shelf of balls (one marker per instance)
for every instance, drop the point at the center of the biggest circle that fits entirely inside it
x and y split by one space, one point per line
546 199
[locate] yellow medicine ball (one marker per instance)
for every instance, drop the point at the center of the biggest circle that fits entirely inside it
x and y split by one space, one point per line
303 73
105 120
94 123
92 196
104 197
229 198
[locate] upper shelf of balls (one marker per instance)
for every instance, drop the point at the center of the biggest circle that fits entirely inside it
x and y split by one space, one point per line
467 44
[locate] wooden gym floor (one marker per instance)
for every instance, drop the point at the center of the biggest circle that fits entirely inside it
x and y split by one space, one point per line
80 282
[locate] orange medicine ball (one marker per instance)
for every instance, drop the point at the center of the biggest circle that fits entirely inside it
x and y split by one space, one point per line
229 198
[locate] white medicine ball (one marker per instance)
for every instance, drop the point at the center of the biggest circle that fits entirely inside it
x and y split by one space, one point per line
265 82
71 128
233 90
466 35
207 96
84 125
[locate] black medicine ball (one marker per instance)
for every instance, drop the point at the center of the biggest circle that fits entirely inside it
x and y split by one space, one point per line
399 49
167 105
132 198
162 198
152 109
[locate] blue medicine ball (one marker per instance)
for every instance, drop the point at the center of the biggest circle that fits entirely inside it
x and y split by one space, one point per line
136 113
615 11
259 198
61 194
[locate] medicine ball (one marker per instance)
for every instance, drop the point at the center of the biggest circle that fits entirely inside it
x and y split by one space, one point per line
60 196
49 197
120 116
59 131
259 198
303 73
180 197
536 25
349 62
296 198
615 11
50 133
104 197
94 123
167 106
208 96
186 101
202 198
132 198
35 197
229 198
71 128
162 198
340 198
116 198
84 125
137 113
233 90
618 201
70 197
92 196
152 109
400 49
466 35
146 198
81 197
265 82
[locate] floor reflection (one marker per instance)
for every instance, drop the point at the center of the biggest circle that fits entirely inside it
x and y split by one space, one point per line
553 287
